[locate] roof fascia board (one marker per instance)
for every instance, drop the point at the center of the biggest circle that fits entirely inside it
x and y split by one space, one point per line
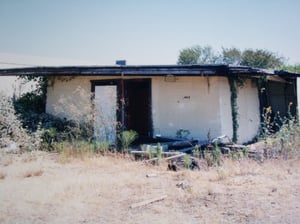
151 70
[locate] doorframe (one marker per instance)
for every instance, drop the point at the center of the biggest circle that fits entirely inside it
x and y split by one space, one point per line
120 83
148 81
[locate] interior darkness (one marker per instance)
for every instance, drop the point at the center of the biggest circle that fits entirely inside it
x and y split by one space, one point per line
138 107
279 96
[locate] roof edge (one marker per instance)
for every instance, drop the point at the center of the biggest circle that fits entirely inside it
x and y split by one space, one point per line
143 70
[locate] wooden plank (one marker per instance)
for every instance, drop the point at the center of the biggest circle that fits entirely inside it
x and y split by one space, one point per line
186 149
163 153
173 157
151 175
168 158
149 201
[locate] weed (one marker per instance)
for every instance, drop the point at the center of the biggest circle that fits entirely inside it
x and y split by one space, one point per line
197 152
280 134
126 138
187 161
101 147
152 152
235 155
75 149
159 150
213 156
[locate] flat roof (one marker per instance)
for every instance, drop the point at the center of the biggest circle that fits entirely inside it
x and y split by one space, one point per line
144 70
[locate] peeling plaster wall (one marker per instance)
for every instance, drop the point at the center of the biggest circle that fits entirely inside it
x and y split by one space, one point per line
197 104
248 114
225 107
69 96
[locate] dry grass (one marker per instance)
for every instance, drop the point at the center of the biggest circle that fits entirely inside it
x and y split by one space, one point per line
101 190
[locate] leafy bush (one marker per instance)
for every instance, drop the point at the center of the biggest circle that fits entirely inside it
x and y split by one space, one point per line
30 108
11 129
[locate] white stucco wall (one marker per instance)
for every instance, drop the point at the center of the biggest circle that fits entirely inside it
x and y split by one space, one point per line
191 103
248 115
197 104
69 97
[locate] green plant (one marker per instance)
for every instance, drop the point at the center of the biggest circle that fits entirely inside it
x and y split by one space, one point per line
234 107
126 138
245 151
182 133
159 150
197 151
152 152
235 155
213 155
187 161
101 147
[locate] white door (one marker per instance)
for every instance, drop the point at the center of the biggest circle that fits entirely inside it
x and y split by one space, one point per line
105 113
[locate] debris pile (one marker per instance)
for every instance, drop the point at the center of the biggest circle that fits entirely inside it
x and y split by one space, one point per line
184 153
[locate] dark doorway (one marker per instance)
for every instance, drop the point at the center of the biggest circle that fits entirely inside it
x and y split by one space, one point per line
138 107
279 95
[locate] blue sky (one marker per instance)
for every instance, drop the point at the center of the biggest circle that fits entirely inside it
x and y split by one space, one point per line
98 32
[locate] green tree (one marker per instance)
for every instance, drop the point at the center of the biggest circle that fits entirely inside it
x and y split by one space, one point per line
261 59
258 58
31 106
197 55
232 56
35 100
291 68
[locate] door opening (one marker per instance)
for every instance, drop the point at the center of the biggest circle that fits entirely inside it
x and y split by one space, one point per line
138 107
113 112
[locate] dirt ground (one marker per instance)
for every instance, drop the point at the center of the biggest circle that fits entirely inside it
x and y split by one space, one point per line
41 187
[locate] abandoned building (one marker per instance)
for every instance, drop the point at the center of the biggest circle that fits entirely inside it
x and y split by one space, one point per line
164 99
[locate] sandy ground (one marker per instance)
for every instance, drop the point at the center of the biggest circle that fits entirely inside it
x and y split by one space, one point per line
40 187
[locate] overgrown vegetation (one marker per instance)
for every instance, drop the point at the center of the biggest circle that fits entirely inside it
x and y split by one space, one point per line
24 125
234 107
281 135
12 134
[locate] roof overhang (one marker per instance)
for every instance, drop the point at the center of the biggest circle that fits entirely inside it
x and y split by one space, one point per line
145 70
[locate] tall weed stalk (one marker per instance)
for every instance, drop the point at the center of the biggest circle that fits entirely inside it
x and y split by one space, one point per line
281 134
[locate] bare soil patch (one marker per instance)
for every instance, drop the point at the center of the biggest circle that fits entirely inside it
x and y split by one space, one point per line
39 187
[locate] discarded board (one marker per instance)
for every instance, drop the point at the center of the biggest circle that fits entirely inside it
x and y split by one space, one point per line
149 201
146 152
151 175
167 158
